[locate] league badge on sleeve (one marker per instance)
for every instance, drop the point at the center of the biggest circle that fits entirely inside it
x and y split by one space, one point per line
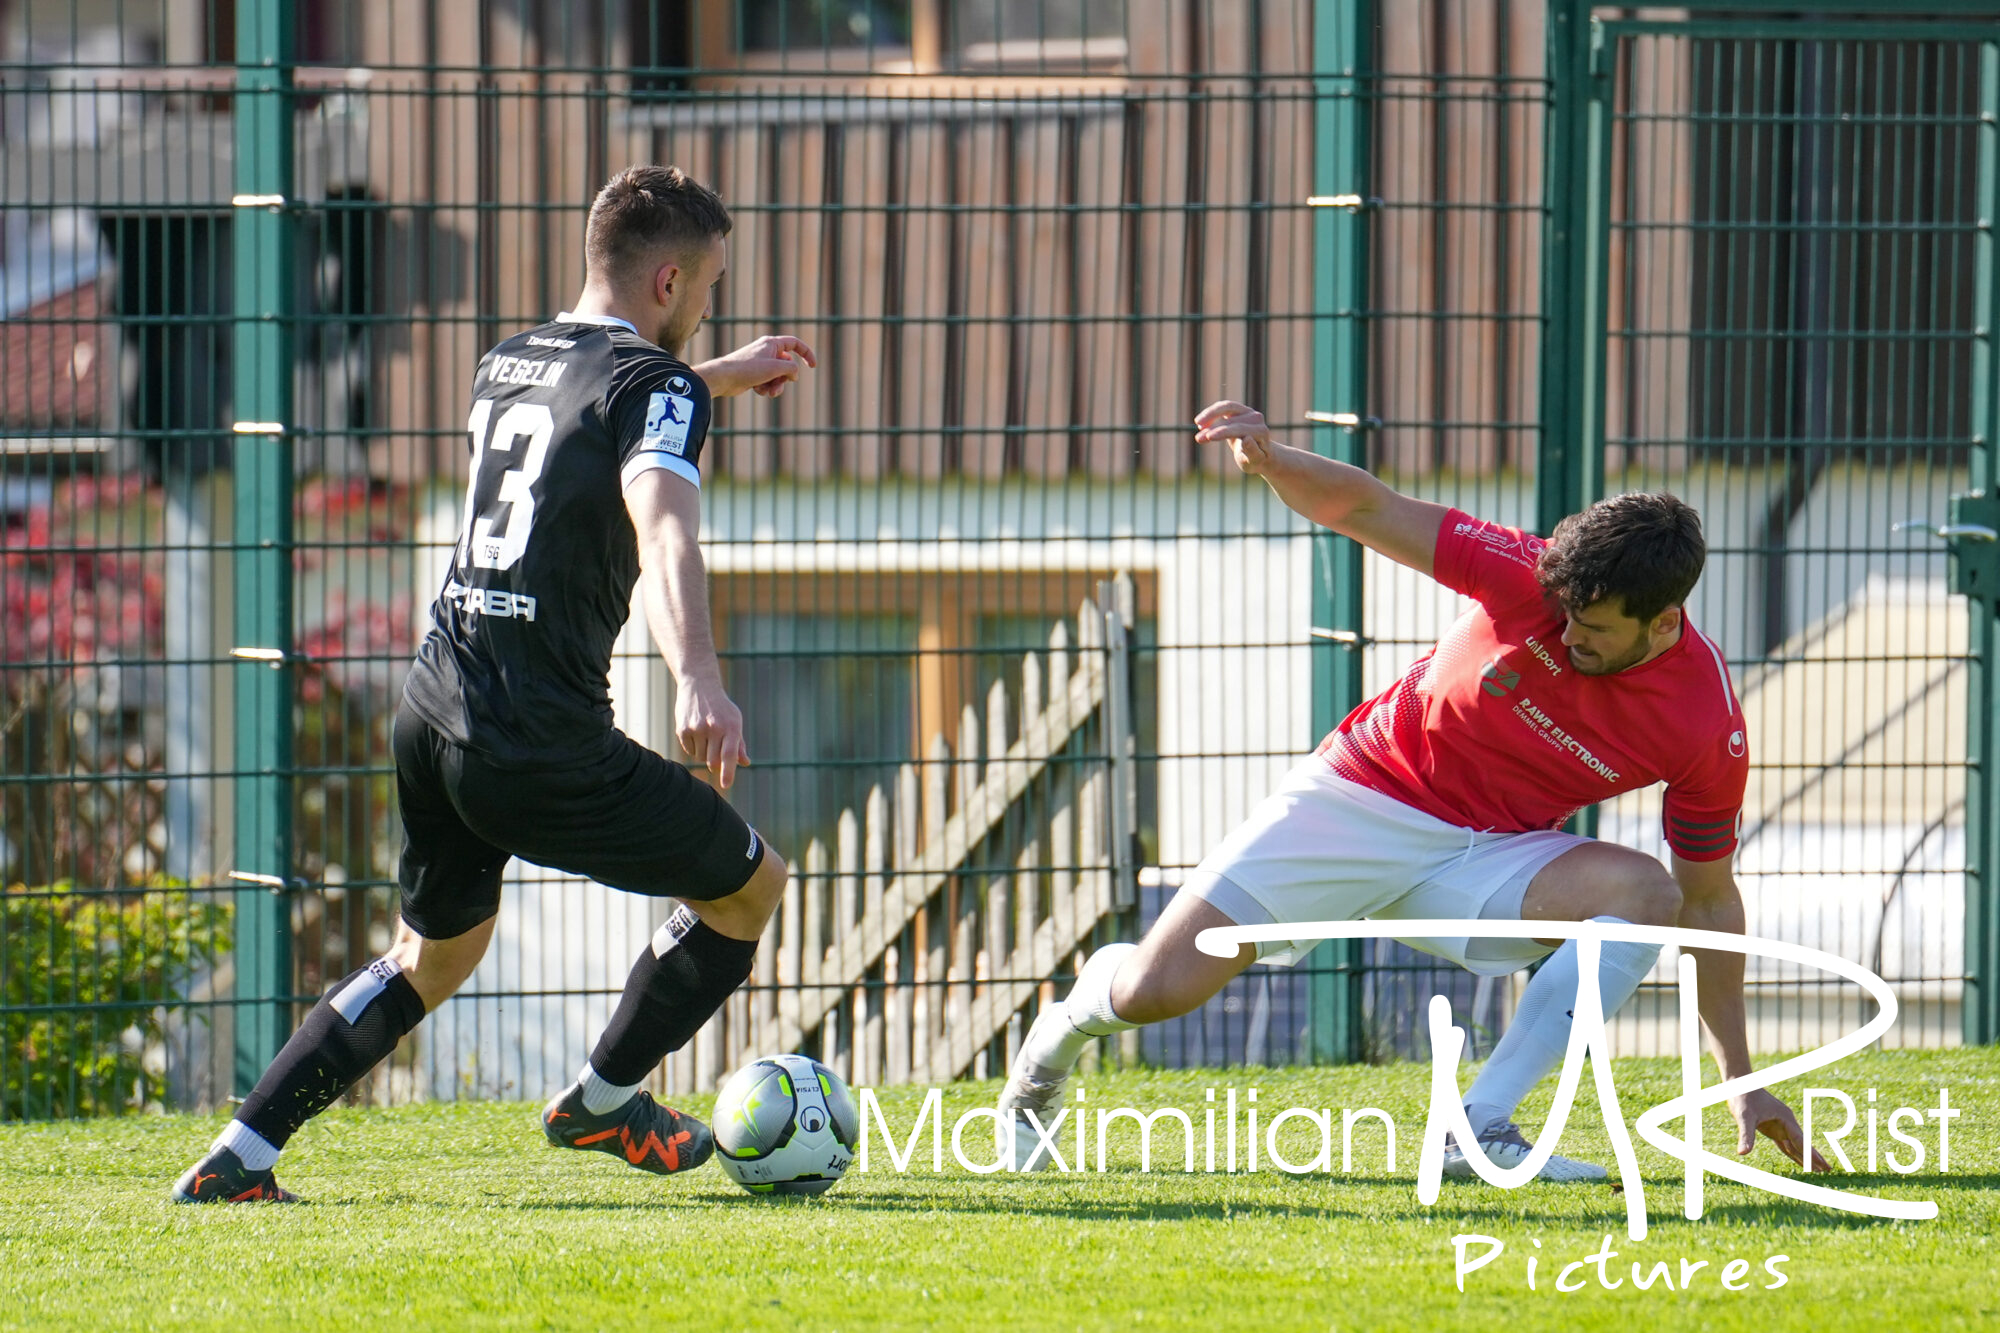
669 416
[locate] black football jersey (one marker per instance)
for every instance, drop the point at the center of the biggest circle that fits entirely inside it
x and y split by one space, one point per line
517 664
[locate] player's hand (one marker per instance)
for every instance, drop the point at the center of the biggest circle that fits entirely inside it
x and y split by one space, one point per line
763 367
1249 438
709 728
1760 1113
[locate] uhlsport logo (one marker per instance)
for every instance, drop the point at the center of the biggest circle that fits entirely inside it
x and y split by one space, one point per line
1542 654
1498 679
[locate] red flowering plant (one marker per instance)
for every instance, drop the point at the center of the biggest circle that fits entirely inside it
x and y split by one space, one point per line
95 943
91 569
82 596
87 575
356 617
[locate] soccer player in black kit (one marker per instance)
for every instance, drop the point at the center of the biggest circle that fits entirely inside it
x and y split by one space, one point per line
586 447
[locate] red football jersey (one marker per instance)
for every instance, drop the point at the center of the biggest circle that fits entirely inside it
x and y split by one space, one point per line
1495 730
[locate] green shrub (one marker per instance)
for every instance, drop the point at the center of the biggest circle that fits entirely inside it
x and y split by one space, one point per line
85 984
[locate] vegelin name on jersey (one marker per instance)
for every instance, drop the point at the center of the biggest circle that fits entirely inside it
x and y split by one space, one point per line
534 372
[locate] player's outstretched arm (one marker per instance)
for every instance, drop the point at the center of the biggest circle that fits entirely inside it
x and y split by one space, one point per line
1710 900
666 515
763 367
1333 495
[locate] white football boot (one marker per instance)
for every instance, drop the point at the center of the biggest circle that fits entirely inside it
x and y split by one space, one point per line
1032 1087
1505 1146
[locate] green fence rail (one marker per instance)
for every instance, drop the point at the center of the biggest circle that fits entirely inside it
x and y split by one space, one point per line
1510 256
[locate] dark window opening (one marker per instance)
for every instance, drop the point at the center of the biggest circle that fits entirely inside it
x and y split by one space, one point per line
659 45
821 25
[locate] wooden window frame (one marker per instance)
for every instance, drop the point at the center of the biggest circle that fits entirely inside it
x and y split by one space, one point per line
946 605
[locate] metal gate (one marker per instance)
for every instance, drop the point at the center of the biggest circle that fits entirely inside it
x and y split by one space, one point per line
1565 253
1785 234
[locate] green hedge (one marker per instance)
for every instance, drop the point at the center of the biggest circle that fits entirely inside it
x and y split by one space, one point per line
111 965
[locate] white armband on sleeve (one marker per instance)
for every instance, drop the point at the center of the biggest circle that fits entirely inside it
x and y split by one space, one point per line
648 459
664 442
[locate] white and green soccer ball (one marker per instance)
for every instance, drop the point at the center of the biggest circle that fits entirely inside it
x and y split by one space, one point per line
785 1124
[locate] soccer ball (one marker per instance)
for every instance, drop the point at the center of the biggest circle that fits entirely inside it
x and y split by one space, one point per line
785 1124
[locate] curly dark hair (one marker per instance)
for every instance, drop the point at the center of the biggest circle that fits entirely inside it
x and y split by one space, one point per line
645 210
1646 550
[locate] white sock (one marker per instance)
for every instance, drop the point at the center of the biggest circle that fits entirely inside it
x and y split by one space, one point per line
1085 1014
1483 1115
251 1148
1539 1035
599 1095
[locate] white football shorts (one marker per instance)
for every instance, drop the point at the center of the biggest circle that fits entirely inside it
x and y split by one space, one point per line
1321 848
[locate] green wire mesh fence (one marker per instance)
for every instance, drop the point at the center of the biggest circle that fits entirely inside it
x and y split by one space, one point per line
1014 652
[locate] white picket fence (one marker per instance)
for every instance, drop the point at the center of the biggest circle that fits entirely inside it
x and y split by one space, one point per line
900 954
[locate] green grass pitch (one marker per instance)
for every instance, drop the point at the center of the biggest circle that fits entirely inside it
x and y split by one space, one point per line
454 1217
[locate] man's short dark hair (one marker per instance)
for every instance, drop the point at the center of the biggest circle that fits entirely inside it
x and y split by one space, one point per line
648 211
1645 550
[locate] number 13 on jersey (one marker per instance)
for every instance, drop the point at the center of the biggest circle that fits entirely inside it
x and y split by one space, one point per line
498 519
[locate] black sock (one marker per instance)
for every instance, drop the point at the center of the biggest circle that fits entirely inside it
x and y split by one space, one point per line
681 978
348 1033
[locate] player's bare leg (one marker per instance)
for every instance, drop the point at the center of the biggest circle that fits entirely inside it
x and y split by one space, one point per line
1595 881
691 965
437 968
1603 879
352 1029
744 914
1120 987
1168 976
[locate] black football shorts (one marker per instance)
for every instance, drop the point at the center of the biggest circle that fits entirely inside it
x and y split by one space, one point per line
629 819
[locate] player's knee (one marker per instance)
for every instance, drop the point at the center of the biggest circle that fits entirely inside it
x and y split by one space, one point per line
436 968
1653 899
1140 994
745 912
766 888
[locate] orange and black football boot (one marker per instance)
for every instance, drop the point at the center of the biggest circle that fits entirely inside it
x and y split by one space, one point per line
221 1177
646 1134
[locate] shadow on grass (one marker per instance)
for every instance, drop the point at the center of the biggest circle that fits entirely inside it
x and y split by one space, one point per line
1037 1198
1790 1213
1053 1197
916 1201
1665 1195
1784 1212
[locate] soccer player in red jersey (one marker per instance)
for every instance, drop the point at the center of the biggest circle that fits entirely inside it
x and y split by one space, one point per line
1575 676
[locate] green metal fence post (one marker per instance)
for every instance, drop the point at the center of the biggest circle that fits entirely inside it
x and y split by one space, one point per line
1569 461
261 376
1980 1005
1592 253
1343 38
1558 471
